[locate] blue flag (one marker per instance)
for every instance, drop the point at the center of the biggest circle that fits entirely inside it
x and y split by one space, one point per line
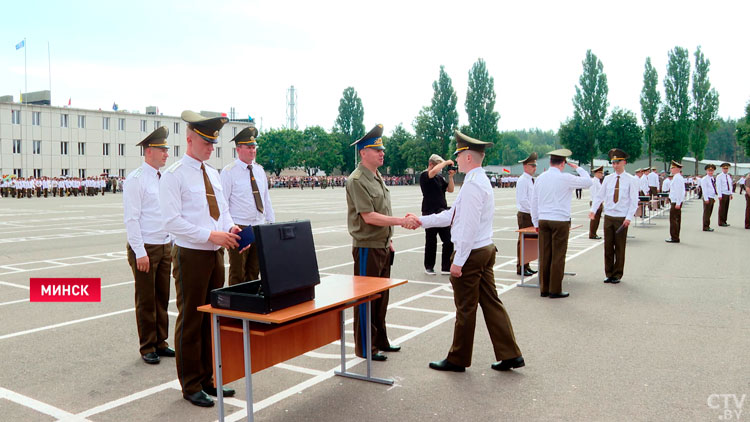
21 45
114 106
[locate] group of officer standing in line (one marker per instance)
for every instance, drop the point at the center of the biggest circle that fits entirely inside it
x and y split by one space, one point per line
55 186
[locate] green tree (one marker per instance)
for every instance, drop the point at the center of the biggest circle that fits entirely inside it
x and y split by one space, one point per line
278 149
723 140
444 115
350 123
426 130
589 108
511 149
318 150
650 100
395 162
622 131
705 107
672 135
480 108
743 131
572 136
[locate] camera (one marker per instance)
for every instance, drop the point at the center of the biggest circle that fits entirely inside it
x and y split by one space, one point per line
451 168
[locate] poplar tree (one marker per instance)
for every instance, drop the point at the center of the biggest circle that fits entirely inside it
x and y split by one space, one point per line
650 100
705 108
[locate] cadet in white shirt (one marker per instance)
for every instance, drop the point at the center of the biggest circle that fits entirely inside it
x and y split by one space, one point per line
676 197
596 184
149 249
619 196
550 213
724 184
710 194
246 190
196 214
472 275
524 192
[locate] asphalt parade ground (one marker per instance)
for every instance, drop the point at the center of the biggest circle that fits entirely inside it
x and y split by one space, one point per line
671 342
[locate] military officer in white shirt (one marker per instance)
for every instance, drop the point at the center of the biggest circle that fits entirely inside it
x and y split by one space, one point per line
149 249
472 275
550 213
724 184
710 194
596 184
653 184
676 198
196 214
619 196
524 191
246 190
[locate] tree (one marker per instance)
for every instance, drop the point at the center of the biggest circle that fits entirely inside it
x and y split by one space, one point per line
318 150
743 131
444 115
395 162
279 147
723 140
622 131
705 107
426 131
672 135
511 149
350 123
650 100
589 108
480 107
573 137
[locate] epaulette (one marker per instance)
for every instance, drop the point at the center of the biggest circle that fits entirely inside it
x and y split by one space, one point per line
174 166
471 177
230 165
355 174
137 173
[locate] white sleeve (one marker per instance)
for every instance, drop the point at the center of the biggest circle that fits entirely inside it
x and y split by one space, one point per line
131 200
633 195
583 181
599 197
468 223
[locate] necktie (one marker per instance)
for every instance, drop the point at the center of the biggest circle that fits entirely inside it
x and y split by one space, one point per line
617 190
158 174
726 177
256 192
213 206
532 180
713 182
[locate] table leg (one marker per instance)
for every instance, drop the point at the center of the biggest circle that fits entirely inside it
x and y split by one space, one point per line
217 365
368 351
248 370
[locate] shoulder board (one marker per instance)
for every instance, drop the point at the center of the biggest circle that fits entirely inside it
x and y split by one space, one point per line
137 173
355 174
471 177
230 165
174 166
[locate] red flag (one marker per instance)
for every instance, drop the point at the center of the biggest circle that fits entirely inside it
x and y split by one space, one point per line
68 101
506 170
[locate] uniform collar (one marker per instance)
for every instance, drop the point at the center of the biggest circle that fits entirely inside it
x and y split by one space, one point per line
191 162
148 169
367 173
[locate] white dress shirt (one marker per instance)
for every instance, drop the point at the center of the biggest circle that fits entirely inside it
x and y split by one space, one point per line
184 206
627 198
653 180
552 190
724 184
644 184
524 191
708 189
596 184
142 213
665 185
677 189
471 216
238 191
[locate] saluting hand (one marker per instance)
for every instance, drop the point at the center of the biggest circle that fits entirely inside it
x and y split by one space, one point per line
224 239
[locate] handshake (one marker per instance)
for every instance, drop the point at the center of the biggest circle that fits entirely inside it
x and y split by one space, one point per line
411 222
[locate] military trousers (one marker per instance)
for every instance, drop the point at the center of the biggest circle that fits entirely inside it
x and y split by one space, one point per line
243 266
476 287
614 246
373 262
723 209
675 221
152 297
196 273
747 210
594 224
553 245
708 209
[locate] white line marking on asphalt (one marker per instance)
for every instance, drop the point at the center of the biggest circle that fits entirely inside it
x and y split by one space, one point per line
5 283
295 368
174 384
429 311
36 405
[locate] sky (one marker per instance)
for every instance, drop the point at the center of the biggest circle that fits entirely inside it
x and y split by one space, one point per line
196 55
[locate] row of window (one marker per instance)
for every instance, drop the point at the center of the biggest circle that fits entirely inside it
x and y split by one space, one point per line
65 172
36 149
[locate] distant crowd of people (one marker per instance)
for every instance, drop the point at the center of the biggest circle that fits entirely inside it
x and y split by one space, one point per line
29 187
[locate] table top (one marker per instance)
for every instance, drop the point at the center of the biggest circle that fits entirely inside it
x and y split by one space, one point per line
333 291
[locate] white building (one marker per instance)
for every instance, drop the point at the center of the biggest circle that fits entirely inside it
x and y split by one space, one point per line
40 140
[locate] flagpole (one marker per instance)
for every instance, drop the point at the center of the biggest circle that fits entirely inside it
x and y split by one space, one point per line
25 82
49 63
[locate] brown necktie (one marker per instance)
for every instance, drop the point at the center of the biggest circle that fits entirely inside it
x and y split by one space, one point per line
213 206
256 192
158 174
713 182
727 179
617 190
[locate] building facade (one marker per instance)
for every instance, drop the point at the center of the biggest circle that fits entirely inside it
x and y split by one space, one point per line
39 140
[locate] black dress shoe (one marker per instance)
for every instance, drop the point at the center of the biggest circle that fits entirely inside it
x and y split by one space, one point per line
608 280
544 294
614 280
708 229
444 365
390 348
527 273
558 295
508 364
211 391
379 357
532 271
199 399
167 351
151 358
672 241
595 237
724 225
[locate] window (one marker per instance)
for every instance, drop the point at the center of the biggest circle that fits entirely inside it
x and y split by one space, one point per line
37 173
82 148
105 123
105 149
105 171
63 148
64 172
143 125
234 152
176 150
15 117
121 124
16 146
18 172
218 152
177 127
36 118
63 120
234 131
157 124
120 149
81 122
82 173
36 147
121 172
